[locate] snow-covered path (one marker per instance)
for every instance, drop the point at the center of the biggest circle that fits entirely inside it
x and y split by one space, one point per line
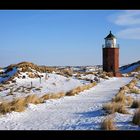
82 111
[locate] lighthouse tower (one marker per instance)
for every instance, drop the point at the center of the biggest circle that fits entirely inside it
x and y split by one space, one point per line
111 55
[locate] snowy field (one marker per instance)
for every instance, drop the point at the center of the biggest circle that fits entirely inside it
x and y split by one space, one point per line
80 112
84 111
55 83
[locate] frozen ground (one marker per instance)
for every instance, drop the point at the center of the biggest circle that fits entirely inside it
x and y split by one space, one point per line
81 112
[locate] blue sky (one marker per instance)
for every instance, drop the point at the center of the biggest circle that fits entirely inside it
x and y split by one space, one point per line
66 37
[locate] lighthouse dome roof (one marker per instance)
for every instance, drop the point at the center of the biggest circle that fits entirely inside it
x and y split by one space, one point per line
111 36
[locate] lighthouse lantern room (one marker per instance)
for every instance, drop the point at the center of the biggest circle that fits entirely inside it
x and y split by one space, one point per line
110 41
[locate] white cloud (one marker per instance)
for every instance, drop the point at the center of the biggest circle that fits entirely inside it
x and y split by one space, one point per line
130 33
130 19
126 18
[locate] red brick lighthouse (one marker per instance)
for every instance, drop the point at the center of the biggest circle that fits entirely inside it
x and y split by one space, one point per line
111 55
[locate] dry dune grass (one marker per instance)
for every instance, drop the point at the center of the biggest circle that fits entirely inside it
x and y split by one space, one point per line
5 108
74 91
120 97
46 96
136 104
78 75
136 117
113 107
130 87
69 93
138 76
27 66
132 83
33 99
105 75
129 100
57 95
52 96
135 90
92 85
119 104
79 89
19 105
90 72
120 101
67 72
110 74
108 124
124 88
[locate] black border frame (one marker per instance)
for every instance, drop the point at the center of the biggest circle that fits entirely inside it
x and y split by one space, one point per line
70 4
64 5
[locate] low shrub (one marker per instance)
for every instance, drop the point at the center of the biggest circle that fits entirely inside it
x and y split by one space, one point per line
120 97
136 104
79 89
134 90
138 76
129 100
136 117
46 96
113 107
108 124
57 95
18 105
33 99
124 88
5 108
